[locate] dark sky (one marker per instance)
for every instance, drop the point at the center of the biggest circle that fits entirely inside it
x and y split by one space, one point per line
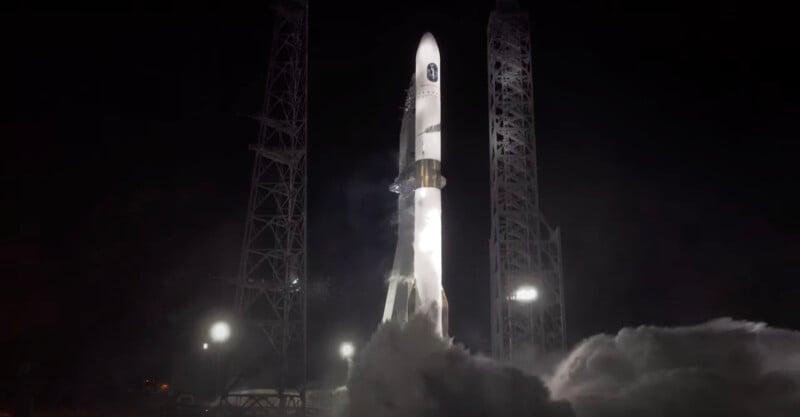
664 142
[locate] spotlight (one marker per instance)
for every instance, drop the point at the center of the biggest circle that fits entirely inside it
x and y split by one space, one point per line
220 332
346 350
525 294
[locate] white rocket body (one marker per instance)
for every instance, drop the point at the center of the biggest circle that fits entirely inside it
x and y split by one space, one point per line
415 284
428 199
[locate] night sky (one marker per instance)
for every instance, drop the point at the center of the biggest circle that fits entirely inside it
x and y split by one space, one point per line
664 147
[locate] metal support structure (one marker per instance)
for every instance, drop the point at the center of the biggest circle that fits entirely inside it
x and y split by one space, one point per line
264 403
524 250
272 280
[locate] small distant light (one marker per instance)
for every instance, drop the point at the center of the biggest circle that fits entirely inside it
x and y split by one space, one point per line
205 346
220 331
525 294
164 387
295 281
347 350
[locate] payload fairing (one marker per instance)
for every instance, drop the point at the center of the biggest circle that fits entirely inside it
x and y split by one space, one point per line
415 285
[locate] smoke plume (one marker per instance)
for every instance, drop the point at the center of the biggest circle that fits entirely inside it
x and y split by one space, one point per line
405 372
720 368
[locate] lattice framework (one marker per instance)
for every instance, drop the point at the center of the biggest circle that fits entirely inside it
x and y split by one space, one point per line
524 250
272 280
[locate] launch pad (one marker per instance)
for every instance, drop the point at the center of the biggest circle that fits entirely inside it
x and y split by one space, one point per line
525 253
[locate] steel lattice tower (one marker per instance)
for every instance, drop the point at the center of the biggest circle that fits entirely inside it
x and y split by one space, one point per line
271 283
524 250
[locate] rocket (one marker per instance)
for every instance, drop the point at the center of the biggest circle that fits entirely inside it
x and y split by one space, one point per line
428 179
415 285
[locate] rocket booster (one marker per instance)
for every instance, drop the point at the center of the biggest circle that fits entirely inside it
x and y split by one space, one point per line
428 180
415 284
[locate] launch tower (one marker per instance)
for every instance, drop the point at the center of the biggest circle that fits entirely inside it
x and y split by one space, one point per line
527 303
271 283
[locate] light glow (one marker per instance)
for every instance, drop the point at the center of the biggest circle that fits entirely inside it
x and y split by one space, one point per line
346 350
428 252
525 294
220 332
205 346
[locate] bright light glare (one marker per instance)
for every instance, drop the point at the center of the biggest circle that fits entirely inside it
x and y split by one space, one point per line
429 224
428 252
347 350
525 294
220 331
205 346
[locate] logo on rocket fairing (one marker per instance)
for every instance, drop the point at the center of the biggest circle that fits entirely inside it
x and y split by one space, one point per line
433 72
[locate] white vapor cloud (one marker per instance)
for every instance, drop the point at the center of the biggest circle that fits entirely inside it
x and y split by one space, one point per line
405 372
720 368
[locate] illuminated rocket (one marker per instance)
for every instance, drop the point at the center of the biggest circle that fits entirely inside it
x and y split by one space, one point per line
415 284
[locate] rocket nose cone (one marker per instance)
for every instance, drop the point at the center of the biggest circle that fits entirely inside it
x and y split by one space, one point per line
427 37
428 50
